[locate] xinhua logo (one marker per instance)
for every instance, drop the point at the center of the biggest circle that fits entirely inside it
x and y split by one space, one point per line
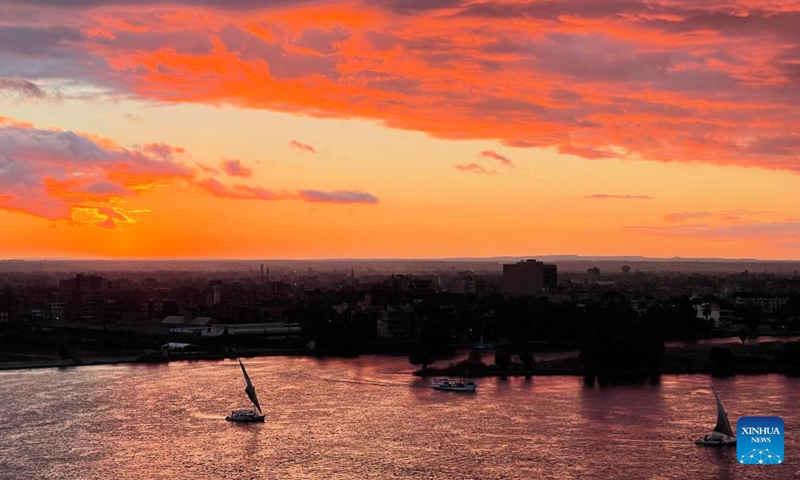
759 440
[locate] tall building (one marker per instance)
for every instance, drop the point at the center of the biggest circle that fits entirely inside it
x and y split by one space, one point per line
528 277
592 275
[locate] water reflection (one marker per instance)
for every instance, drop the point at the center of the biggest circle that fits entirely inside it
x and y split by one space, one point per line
369 418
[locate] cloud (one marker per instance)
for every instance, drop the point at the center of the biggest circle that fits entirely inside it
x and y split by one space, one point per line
244 192
670 81
681 216
86 180
725 216
302 146
606 196
496 156
338 196
133 117
474 168
21 90
163 151
207 169
786 231
234 168
241 192
59 175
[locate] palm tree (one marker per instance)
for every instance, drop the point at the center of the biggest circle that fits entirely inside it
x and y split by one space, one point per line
706 310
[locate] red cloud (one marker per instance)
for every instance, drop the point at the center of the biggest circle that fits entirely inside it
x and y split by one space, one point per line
500 158
302 146
73 176
668 81
474 168
234 168
244 192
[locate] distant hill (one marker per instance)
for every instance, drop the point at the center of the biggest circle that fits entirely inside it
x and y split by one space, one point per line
566 263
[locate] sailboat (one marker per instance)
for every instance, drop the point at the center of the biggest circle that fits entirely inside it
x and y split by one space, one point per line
722 433
245 415
480 345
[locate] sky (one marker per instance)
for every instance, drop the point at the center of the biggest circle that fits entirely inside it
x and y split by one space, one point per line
399 128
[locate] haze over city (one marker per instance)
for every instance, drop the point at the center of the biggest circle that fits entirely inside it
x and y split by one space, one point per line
398 129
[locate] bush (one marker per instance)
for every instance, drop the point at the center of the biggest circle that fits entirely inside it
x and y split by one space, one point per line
722 362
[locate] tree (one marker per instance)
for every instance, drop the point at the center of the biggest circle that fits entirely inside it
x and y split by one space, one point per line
722 362
751 317
527 359
64 348
420 357
705 310
502 360
625 269
475 356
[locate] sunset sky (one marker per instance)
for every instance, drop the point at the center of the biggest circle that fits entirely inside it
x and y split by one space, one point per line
399 128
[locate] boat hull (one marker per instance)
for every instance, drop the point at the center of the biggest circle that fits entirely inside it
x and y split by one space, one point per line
454 385
245 419
454 389
716 443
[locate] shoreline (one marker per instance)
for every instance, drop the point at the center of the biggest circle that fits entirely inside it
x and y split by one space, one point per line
564 367
146 359
578 371
771 357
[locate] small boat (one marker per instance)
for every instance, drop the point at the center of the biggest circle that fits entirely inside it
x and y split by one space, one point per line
454 385
246 415
480 345
722 433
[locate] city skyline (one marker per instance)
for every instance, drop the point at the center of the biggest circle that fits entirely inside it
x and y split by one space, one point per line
311 130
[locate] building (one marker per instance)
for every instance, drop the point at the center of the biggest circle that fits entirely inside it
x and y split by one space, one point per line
528 277
592 275
550 275
274 330
80 282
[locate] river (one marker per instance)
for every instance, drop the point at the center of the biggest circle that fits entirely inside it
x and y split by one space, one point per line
369 418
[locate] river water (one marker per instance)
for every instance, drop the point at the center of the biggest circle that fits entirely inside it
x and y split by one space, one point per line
369 418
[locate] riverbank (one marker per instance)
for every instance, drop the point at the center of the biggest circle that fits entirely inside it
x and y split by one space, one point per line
149 359
690 358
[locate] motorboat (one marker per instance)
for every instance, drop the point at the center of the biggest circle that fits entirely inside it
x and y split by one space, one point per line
454 385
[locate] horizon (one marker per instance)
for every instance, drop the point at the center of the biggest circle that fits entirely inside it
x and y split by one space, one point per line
492 258
332 129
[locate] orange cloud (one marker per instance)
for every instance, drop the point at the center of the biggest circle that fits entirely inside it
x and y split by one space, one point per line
496 156
242 192
54 174
302 146
86 180
245 192
234 168
667 81
474 168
